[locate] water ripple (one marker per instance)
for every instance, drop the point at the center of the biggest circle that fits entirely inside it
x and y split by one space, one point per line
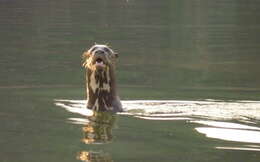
214 119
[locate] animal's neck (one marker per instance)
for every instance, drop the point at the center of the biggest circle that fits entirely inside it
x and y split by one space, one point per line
100 89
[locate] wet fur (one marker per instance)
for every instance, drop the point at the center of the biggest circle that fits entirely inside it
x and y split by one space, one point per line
101 85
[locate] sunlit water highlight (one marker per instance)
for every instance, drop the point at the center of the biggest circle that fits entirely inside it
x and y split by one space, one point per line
172 109
214 116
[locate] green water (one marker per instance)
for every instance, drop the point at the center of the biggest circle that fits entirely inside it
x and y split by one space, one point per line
171 49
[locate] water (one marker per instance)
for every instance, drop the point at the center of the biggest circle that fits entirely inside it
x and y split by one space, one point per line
187 75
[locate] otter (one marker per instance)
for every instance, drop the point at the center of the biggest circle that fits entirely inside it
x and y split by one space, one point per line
99 62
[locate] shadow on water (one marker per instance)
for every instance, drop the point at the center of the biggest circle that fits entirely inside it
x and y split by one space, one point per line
234 121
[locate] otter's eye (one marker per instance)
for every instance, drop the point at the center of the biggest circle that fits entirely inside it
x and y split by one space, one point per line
106 50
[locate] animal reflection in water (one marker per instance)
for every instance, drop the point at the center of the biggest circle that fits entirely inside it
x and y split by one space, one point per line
94 157
97 131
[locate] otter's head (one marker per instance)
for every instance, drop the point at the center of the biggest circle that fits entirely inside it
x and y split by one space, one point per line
99 57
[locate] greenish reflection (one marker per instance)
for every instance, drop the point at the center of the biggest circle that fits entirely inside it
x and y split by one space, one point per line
97 131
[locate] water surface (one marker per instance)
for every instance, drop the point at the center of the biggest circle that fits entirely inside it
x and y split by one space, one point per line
188 76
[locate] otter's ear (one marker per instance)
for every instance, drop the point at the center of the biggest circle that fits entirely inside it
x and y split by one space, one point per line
116 55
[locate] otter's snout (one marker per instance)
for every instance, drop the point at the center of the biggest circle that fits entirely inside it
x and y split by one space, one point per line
99 55
99 52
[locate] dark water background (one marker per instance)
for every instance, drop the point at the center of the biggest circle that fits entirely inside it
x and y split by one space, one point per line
171 49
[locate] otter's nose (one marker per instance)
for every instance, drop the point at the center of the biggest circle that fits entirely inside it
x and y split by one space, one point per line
99 52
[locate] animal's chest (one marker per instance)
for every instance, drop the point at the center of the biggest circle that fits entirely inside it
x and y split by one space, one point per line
101 96
100 83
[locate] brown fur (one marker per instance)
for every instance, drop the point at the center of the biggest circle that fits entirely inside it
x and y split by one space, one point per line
99 62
